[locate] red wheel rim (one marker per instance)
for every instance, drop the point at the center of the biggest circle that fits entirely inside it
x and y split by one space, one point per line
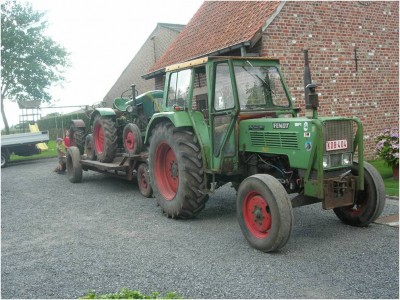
99 138
357 209
130 141
256 214
166 171
142 178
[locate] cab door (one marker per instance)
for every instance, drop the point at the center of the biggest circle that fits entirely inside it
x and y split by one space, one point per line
223 115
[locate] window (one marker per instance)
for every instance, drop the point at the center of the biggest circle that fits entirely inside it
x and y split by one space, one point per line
178 89
259 87
223 98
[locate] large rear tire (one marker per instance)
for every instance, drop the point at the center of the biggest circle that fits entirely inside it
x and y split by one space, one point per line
177 171
74 167
264 212
77 137
105 138
369 203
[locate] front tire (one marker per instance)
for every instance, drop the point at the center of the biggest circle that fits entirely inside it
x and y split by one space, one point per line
264 212
143 180
369 203
74 167
177 171
132 139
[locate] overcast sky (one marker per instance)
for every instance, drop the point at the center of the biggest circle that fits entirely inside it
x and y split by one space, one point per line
102 37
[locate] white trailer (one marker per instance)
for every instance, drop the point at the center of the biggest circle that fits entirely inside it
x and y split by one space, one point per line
23 144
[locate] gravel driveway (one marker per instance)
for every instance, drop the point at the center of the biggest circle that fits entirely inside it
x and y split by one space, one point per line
60 240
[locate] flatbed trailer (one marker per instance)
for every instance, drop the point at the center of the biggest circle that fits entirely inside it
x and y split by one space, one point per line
124 166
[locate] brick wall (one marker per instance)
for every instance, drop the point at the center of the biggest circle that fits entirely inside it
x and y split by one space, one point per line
332 31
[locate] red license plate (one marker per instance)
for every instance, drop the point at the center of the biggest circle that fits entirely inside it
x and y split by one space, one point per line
336 145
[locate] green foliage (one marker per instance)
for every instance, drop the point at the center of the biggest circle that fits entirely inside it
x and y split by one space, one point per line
130 294
391 185
58 124
30 61
387 146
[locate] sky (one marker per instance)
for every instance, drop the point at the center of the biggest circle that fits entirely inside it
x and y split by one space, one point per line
102 37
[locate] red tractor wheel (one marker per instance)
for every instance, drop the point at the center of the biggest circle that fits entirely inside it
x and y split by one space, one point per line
264 212
105 138
143 180
177 171
132 138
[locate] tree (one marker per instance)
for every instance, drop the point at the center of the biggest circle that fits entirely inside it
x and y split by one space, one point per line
31 62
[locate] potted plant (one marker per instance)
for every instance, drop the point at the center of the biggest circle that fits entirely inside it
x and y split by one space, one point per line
387 148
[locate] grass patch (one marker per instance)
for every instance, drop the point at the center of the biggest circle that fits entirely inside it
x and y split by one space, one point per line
51 152
130 294
391 185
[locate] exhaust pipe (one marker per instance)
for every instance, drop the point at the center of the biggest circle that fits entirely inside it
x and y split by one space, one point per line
134 111
311 97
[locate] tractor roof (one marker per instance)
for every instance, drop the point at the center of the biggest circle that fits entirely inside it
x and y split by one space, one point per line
204 60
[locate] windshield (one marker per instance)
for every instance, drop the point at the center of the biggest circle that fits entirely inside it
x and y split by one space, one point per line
259 87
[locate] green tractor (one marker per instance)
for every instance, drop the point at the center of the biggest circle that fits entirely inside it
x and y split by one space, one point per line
232 119
114 142
118 129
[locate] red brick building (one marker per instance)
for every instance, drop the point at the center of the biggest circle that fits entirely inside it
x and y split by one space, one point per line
353 50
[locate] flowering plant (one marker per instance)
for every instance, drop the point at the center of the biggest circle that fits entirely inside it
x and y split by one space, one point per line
387 146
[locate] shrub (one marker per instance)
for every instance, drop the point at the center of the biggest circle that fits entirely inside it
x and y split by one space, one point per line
387 146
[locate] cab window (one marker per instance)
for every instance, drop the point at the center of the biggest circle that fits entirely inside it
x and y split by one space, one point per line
223 97
178 88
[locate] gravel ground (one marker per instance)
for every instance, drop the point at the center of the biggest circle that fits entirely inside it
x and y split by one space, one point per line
60 240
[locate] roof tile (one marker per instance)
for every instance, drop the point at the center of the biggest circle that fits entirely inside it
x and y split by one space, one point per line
217 25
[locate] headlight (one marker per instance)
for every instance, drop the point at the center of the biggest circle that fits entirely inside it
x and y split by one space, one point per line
326 162
129 108
347 159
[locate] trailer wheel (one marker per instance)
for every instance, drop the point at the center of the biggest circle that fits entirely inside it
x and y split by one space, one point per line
74 167
264 212
177 171
143 179
105 138
369 203
77 137
4 158
132 138
89 146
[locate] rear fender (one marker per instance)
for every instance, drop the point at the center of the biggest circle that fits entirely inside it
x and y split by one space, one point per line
104 112
77 123
179 119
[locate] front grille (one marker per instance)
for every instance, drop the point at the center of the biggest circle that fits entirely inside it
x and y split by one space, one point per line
284 140
339 130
